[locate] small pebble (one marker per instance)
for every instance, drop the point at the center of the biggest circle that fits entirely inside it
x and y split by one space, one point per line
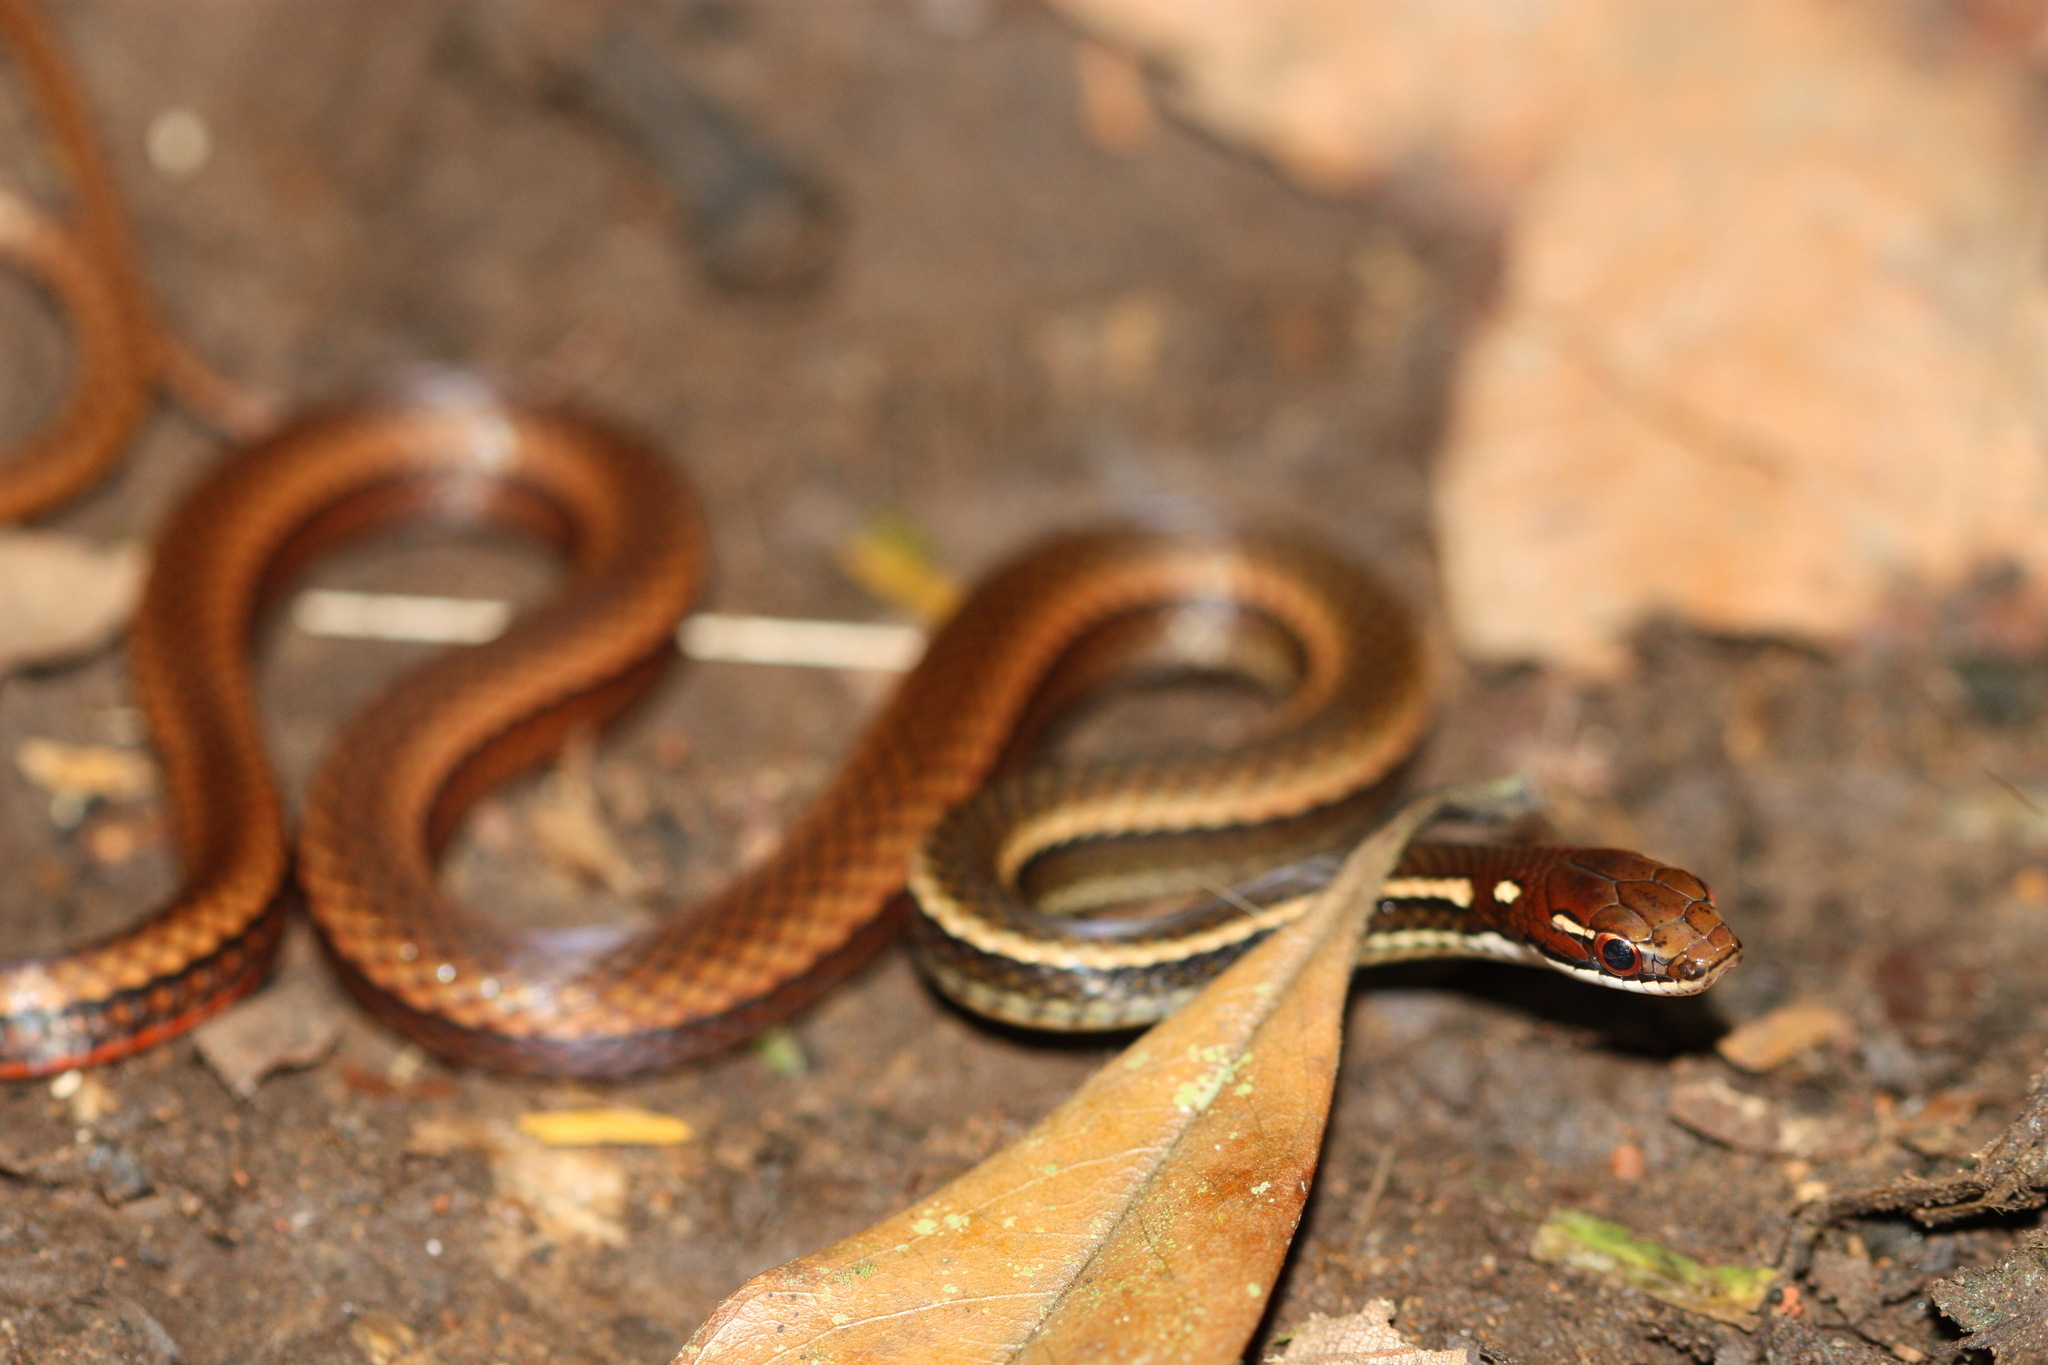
178 143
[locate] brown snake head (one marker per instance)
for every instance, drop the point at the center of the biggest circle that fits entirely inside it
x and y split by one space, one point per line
1626 921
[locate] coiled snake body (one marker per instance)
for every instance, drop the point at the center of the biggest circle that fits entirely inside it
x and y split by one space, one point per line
1339 649
401 773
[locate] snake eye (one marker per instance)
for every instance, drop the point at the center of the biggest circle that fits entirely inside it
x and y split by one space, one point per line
1618 955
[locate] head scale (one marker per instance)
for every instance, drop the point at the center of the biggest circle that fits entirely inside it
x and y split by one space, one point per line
1630 922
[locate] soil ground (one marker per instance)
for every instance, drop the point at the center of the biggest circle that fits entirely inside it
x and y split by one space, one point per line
1020 330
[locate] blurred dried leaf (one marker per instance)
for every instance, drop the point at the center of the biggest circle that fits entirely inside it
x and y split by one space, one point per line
293 1022
1116 105
1699 330
1145 1218
1771 1040
85 771
1749 1123
571 1196
1362 1338
1733 296
61 596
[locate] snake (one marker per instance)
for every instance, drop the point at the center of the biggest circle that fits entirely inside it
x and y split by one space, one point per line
1035 634
948 790
86 263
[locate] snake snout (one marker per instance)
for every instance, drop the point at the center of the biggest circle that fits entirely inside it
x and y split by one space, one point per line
1705 959
1694 948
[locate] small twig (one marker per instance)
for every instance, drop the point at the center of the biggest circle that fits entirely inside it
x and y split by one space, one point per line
2016 794
721 636
1226 894
231 408
1381 1171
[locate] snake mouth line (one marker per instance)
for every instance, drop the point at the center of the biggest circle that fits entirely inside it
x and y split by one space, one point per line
1669 988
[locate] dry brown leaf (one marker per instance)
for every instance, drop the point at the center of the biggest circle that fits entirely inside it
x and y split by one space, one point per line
291 1024
1750 1123
1143 1220
573 1197
1768 1041
1731 295
1366 1337
85 772
60 595
1116 101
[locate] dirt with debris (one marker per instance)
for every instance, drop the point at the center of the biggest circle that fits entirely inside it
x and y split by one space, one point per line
1010 328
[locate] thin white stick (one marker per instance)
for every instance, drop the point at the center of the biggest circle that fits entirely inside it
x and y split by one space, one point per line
707 635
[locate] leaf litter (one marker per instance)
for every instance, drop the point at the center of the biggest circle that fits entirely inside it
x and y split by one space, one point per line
61 596
1366 1337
